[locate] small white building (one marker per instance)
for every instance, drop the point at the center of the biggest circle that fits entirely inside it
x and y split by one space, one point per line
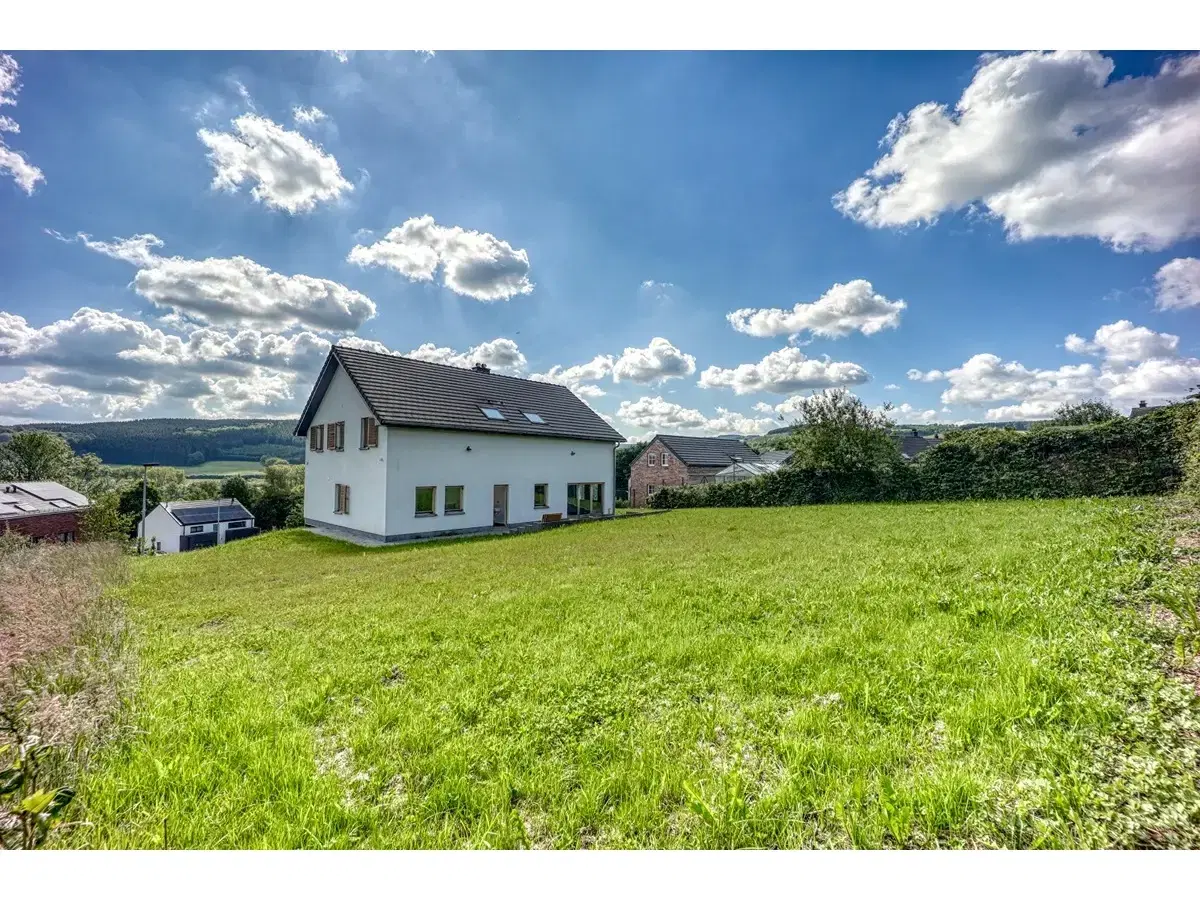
191 524
400 448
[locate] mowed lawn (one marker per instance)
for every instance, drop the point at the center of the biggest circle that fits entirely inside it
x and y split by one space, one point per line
890 675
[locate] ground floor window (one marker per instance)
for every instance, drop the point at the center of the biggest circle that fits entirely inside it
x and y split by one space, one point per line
67 537
541 496
195 529
585 499
454 498
426 497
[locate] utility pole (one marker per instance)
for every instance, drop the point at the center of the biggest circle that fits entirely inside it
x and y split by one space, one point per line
142 533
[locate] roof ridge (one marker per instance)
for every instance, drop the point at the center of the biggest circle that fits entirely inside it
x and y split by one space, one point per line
426 362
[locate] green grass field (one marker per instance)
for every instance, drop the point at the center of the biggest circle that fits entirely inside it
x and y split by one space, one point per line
909 675
224 467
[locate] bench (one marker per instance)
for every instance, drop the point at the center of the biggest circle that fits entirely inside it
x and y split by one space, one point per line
551 517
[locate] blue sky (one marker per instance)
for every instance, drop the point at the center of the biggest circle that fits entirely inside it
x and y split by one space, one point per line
595 219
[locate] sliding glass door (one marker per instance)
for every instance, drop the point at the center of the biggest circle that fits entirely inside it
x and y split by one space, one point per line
585 499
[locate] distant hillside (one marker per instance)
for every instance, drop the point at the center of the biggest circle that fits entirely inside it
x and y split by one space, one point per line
178 442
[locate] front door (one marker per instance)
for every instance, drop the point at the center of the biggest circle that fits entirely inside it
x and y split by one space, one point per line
500 504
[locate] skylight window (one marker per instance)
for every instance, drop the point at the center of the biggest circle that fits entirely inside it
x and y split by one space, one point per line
491 412
535 418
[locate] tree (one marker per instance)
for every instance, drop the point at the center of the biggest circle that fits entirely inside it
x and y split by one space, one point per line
837 432
35 456
239 489
130 504
626 453
103 520
1089 412
280 503
195 458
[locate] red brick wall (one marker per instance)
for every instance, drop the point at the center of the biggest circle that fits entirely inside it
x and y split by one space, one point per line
47 527
642 474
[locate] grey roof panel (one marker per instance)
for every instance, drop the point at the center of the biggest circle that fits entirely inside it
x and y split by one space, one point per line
204 512
707 451
417 394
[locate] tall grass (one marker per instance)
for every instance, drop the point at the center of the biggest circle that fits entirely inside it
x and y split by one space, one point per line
919 675
63 664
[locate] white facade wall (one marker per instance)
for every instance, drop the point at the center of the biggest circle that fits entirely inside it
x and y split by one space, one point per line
363 470
421 456
161 528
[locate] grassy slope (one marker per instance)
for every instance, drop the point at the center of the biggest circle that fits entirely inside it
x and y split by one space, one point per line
836 676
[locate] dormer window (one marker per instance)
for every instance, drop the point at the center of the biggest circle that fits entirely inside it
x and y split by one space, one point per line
492 413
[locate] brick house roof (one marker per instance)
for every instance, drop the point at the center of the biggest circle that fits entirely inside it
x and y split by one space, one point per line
706 451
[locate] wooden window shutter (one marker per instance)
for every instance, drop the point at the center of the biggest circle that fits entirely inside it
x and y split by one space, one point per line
364 433
331 441
373 431
345 498
312 438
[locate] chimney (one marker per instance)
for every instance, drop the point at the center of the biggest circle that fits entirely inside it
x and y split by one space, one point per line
1142 404
480 367
915 433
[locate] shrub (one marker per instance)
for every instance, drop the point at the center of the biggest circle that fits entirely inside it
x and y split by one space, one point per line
1116 457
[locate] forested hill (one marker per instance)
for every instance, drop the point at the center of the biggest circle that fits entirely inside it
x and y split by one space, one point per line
178 442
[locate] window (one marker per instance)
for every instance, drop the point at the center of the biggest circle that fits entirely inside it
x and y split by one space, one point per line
534 418
454 499
541 496
651 458
369 433
585 499
316 438
67 537
341 499
195 529
426 497
491 412
241 524
665 459
650 489
337 436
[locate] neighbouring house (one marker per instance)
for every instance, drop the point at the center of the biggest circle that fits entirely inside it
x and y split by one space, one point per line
400 448
41 510
674 460
913 445
768 461
183 525
1142 410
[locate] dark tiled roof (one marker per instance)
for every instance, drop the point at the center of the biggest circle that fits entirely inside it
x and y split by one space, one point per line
417 394
204 512
1139 411
706 451
911 445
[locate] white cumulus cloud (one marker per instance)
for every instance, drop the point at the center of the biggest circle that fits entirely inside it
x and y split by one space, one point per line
24 173
307 115
288 171
1052 147
1177 284
660 361
844 308
474 264
783 372
236 291
580 378
501 355
655 413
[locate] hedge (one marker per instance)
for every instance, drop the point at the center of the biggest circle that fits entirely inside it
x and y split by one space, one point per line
1147 455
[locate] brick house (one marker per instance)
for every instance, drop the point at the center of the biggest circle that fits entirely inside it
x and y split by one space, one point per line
673 460
41 510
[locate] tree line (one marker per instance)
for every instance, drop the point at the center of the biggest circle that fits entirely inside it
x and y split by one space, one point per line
178 442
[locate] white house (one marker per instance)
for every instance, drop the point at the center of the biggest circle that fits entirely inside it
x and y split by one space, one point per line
401 448
191 524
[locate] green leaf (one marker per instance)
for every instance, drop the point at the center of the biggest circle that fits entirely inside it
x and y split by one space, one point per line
11 780
62 797
36 803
